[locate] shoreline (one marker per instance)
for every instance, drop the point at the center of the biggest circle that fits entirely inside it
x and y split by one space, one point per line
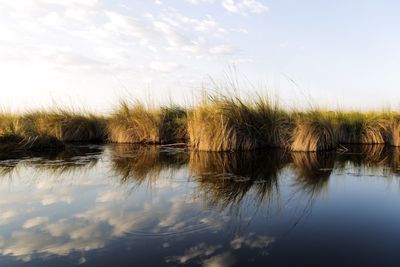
218 123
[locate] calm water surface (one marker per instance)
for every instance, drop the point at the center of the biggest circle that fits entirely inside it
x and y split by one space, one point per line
147 206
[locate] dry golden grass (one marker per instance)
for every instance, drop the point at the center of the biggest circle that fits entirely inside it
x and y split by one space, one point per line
314 132
67 126
217 123
394 132
230 124
363 128
374 133
136 123
45 130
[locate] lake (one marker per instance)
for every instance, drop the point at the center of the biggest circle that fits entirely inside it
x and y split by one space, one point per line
124 205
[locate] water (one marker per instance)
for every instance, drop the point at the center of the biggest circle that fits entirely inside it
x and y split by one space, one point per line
146 206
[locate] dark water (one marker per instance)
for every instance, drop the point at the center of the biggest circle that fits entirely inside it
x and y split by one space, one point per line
147 206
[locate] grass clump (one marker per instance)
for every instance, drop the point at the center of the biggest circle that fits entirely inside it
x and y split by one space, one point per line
394 132
314 131
67 126
217 123
136 123
230 124
362 128
48 130
15 135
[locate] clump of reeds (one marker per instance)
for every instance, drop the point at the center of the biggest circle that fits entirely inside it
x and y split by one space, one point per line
9 125
173 126
217 123
314 131
46 130
136 123
230 124
14 136
67 126
394 132
362 128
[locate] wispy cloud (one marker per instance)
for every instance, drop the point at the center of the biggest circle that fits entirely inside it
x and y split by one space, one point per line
163 66
196 2
36 221
103 45
244 7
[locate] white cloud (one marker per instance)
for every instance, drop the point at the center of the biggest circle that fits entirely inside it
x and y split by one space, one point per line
199 251
186 35
163 66
52 199
7 217
196 2
52 19
85 3
23 244
208 25
222 260
221 50
93 44
100 39
244 7
179 206
127 25
35 222
109 196
238 61
252 241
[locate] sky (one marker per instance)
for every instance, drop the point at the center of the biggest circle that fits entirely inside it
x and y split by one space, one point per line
89 54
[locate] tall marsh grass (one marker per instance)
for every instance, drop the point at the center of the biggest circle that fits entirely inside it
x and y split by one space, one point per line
394 132
45 130
314 131
67 126
136 123
230 124
363 128
216 123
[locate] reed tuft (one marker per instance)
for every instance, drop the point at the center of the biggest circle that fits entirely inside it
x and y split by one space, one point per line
136 123
394 132
230 124
314 132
